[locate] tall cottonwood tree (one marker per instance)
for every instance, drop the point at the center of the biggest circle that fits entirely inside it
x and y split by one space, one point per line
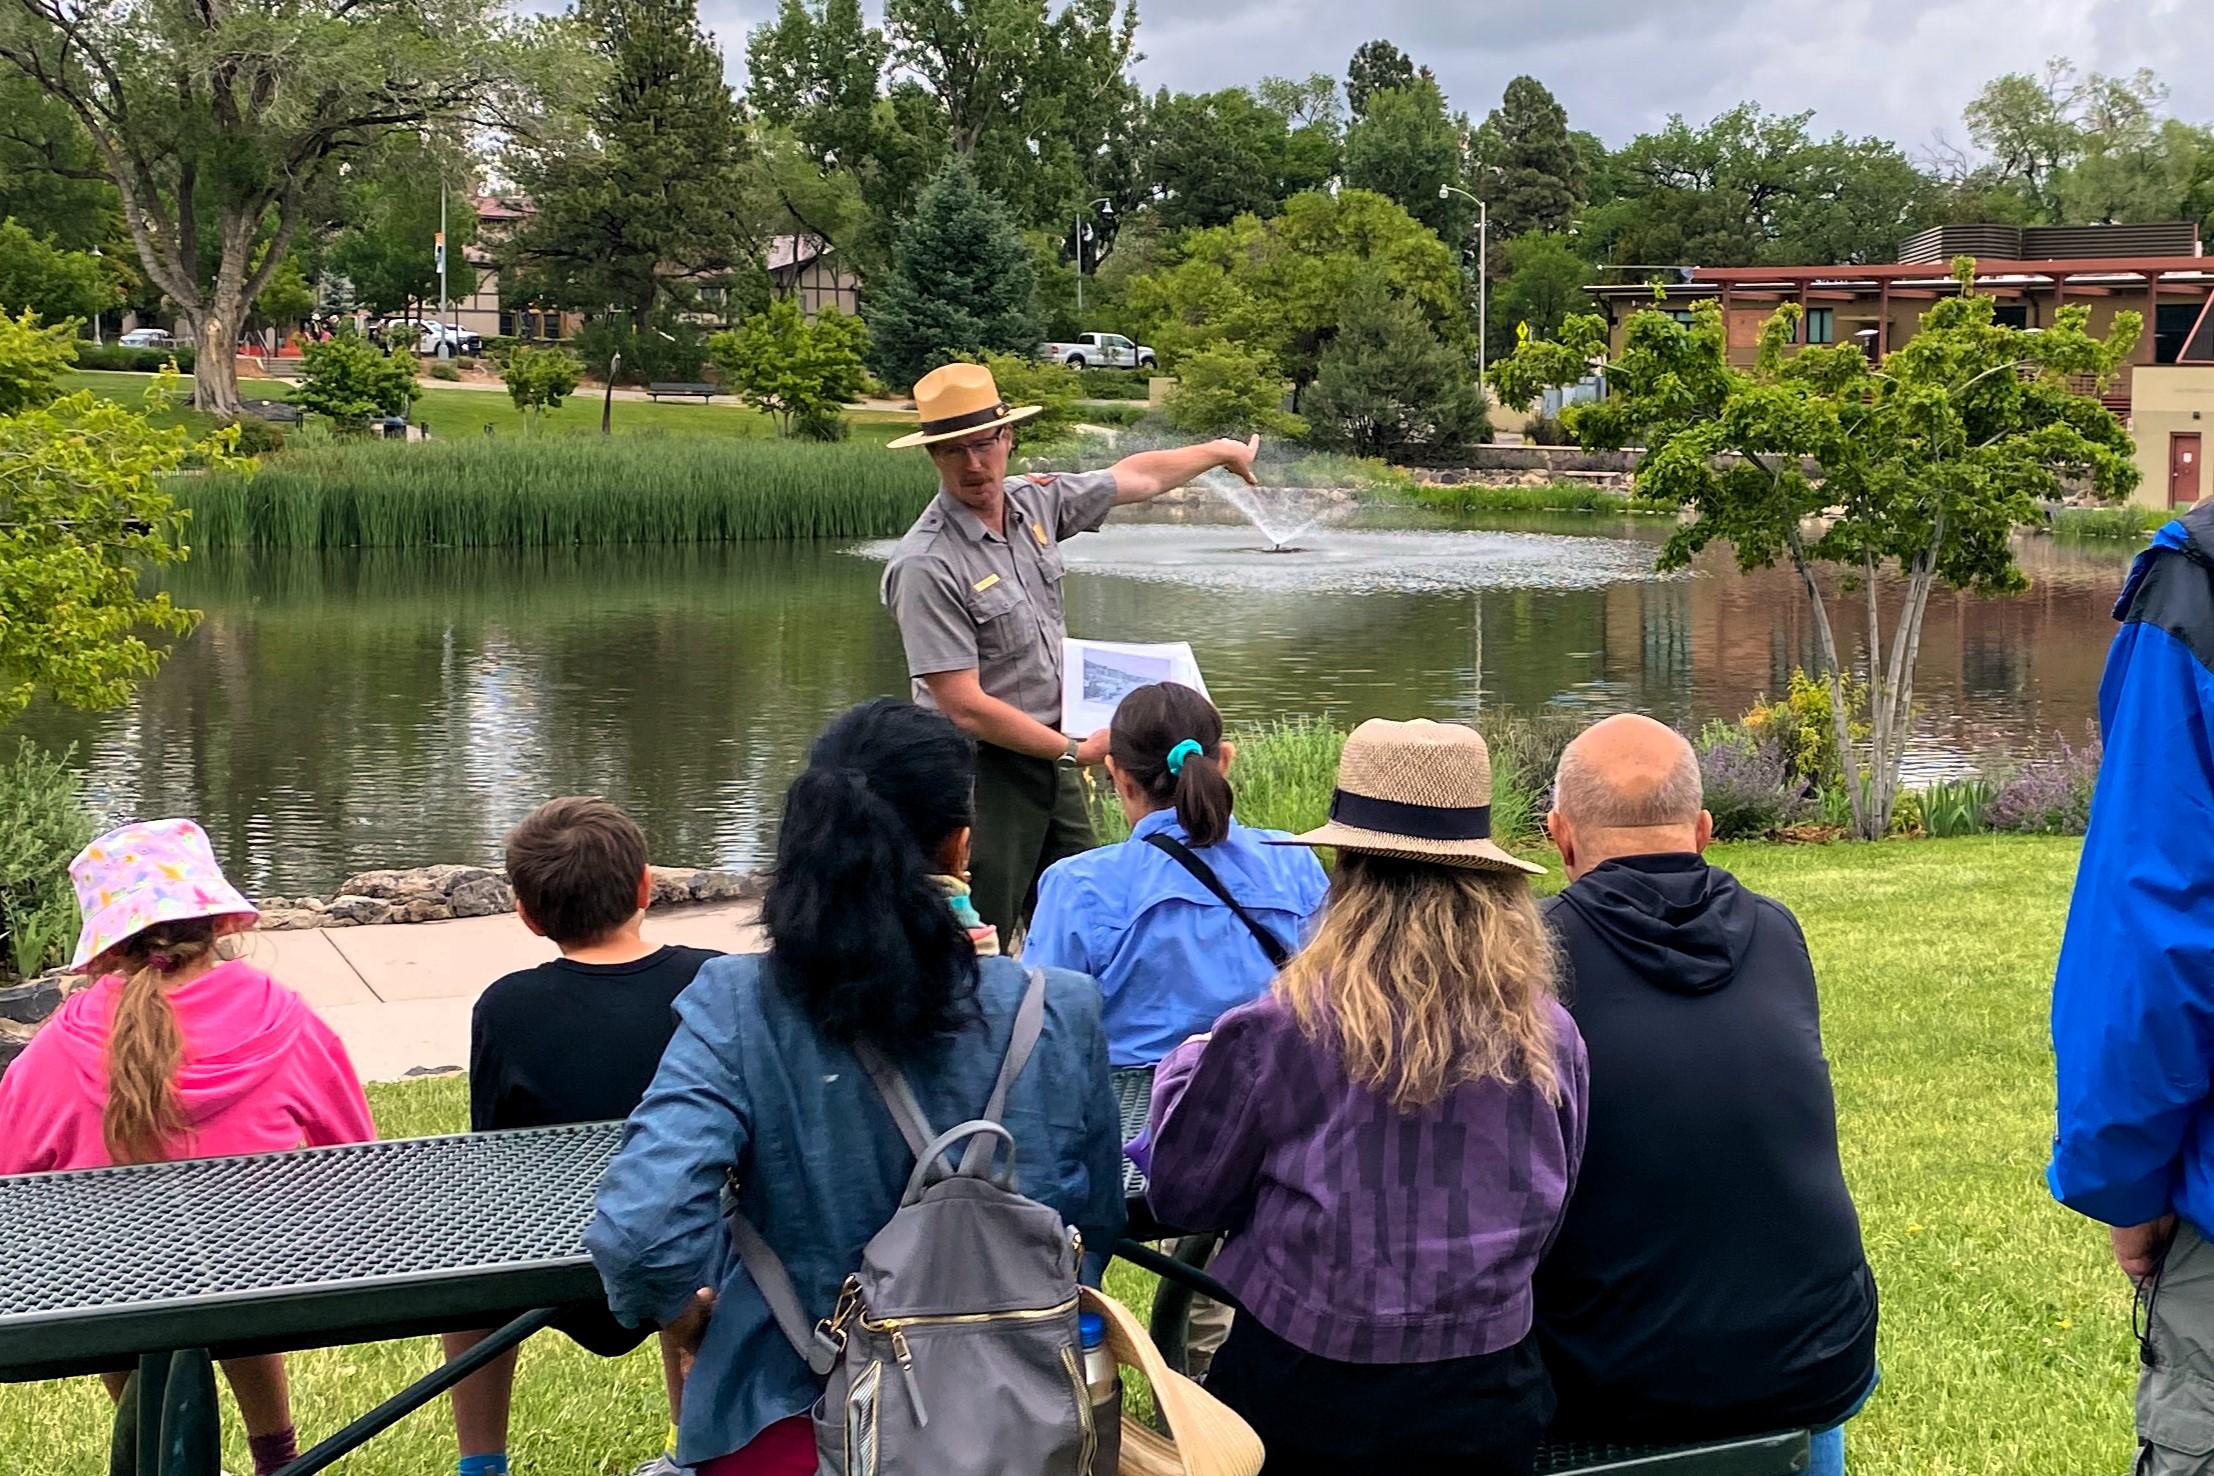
215 118
653 194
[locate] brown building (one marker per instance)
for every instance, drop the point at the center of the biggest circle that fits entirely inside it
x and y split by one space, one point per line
2159 271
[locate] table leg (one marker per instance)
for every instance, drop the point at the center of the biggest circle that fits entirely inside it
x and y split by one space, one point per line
191 1440
149 1385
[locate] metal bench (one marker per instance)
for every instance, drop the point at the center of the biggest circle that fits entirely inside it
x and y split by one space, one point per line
701 392
1781 1454
110 1269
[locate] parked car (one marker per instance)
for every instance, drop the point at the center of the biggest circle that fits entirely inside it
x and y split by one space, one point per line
148 338
458 339
1098 351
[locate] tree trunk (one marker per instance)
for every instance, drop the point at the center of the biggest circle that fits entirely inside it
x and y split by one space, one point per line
215 361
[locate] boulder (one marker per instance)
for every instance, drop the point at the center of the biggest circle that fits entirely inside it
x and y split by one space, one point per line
32 1000
418 882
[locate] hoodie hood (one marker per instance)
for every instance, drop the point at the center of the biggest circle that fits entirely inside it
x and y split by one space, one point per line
1679 924
239 1027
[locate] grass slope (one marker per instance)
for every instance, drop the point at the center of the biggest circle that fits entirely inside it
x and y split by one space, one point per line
452 413
2006 1328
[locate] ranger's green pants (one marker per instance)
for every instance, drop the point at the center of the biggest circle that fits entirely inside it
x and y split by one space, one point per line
1029 814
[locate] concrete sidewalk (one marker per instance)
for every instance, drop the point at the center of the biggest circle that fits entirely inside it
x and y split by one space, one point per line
399 995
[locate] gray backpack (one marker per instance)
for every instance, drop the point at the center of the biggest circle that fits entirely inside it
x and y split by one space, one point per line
953 1351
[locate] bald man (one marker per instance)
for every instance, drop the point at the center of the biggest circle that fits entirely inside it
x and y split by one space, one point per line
1708 1280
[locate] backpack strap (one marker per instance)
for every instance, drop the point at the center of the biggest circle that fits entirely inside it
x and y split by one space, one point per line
1186 857
1021 1041
899 1097
766 1268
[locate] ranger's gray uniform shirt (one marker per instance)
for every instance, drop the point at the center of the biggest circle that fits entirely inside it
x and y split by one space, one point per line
967 598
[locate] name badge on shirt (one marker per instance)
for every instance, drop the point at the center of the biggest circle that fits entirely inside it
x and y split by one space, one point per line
983 584
1037 531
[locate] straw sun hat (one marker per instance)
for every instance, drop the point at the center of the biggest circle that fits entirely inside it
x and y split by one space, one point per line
1418 791
959 400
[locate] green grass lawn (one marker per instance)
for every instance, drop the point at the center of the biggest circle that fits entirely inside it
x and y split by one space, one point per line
460 412
2005 1326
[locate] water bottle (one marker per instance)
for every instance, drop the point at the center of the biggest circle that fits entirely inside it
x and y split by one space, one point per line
1105 1383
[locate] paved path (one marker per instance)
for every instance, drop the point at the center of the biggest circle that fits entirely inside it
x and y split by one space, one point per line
399 995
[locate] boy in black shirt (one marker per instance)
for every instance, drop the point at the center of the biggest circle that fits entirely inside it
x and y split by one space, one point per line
574 1040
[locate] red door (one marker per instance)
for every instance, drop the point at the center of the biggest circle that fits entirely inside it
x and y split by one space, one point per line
2183 468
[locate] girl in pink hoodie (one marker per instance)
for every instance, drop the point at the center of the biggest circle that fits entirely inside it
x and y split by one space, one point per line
178 1051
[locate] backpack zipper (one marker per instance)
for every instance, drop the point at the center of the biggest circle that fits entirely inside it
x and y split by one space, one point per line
1032 1314
1084 1421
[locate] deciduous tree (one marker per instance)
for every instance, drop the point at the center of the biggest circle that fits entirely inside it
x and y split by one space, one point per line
349 380
221 124
40 276
389 221
1543 283
1377 66
796 371
1923 468
1406 147
84 483
1281 285
540 379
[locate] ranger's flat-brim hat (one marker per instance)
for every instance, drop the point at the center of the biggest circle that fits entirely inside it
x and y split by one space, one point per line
1418 791
959 400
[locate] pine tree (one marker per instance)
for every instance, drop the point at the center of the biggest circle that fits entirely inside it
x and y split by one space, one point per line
1532 172
961 286
651 195
1390 387
1378 66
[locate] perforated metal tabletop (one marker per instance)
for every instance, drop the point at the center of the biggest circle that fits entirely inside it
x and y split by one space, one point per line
311 1248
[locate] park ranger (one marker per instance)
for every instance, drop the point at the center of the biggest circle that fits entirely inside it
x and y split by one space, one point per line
976 588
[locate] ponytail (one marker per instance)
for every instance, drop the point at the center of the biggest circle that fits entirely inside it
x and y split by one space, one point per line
1167 739
144 1118
861 932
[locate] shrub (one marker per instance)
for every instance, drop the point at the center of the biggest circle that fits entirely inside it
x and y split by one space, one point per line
821 426
1803 731
43 824
1231 390
794 370
1547 430
115 358
2131 523
257 437
32 361
554 491
1112 415
1025 381
1526 754
2048 796
670 349
1117 384
1388 386
541 379
445 370
348 380
1749 787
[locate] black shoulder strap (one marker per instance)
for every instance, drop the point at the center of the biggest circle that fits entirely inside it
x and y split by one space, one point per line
1186 857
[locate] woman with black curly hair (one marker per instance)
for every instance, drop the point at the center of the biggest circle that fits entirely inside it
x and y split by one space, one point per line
868 943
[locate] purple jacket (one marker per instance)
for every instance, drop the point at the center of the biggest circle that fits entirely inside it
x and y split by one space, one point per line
1358 1232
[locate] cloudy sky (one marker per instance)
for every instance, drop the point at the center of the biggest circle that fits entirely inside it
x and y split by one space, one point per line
1899 68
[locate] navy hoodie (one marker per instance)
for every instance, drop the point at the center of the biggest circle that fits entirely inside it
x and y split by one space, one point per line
1708 1280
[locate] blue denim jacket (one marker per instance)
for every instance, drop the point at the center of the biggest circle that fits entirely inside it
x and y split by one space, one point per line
748 1085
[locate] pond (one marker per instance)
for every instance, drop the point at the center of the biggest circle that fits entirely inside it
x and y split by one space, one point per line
339 712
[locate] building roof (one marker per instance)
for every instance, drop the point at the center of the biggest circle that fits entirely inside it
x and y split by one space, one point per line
788 252
2119 272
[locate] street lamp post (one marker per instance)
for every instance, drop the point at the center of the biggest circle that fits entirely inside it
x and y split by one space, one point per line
1105 206
1483 270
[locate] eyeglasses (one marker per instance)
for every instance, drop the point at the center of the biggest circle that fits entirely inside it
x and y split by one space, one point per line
964 450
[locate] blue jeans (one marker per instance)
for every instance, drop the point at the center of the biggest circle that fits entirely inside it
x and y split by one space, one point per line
1826 1449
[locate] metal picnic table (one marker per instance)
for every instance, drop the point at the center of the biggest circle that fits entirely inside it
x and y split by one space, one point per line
164 1269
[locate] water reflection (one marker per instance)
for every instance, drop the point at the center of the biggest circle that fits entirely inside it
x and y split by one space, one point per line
338 712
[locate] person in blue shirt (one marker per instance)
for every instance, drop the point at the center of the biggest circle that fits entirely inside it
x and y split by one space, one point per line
2133 996
761 1089
1192 915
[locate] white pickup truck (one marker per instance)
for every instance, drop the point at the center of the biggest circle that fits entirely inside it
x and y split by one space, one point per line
1098 351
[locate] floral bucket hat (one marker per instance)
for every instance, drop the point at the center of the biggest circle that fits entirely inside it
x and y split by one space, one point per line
139 875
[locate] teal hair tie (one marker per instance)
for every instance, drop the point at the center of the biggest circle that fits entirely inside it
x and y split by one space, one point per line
1188 749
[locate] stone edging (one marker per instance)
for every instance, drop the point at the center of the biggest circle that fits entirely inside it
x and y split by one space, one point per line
442 893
